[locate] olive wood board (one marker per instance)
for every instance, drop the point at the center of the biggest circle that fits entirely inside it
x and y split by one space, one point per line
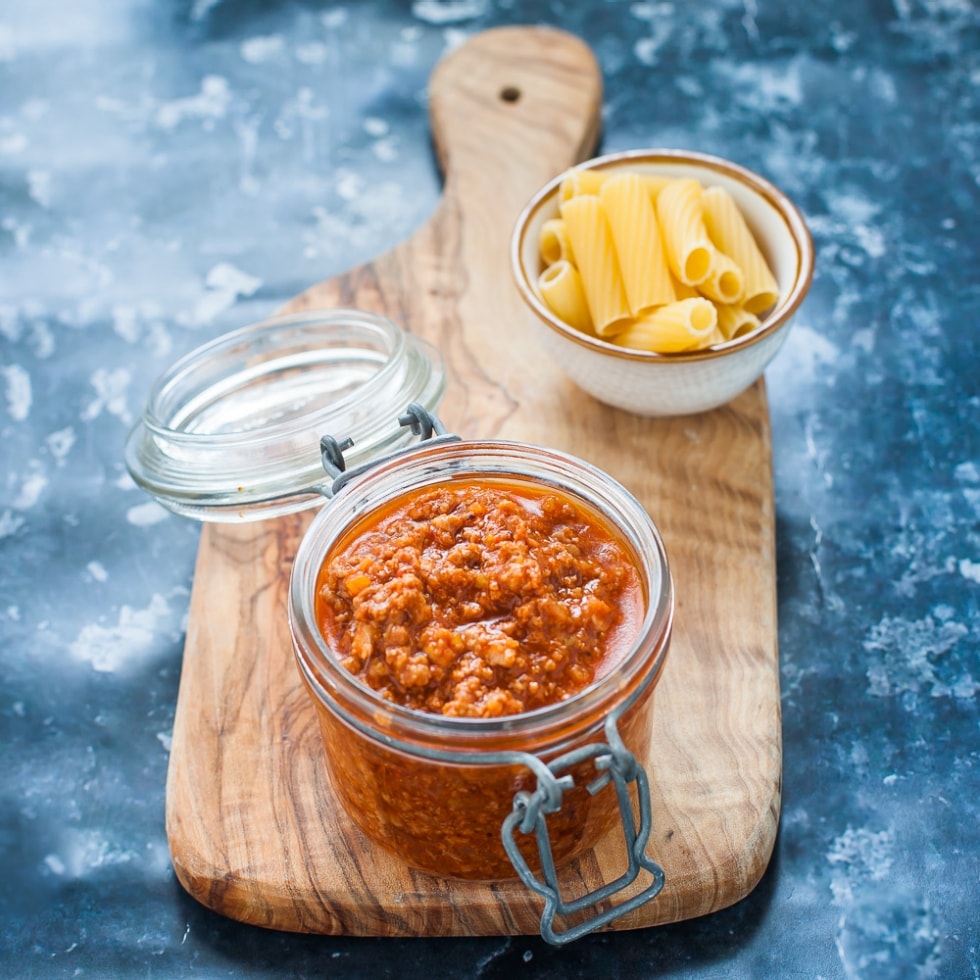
254 831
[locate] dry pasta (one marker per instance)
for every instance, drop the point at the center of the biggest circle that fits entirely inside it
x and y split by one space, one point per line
689 249
729 231
595 258
652 262
682 290
736 321
554 241
590 181
725 282
655 184
628 207
560 286
578 182
679 326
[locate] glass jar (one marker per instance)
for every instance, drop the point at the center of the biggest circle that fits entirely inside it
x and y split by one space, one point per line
231 431
460 796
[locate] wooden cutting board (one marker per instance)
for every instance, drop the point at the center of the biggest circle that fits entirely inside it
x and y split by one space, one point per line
254 831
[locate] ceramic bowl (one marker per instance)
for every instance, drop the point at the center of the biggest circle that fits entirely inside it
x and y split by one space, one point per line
685 382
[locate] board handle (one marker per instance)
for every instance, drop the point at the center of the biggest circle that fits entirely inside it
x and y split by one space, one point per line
512 107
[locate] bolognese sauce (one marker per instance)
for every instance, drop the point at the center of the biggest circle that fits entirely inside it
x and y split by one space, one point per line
479 599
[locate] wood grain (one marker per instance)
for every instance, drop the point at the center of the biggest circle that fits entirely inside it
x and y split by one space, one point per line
254 831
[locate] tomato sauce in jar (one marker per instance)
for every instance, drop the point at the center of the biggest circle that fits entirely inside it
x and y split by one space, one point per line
479 599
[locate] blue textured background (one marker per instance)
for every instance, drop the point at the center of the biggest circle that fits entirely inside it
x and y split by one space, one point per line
169 170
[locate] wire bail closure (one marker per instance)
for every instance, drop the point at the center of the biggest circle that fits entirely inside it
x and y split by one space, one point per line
421 421
618 765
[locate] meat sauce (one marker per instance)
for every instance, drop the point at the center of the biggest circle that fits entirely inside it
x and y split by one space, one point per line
479 599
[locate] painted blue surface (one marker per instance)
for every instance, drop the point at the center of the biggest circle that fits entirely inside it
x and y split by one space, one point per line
169 170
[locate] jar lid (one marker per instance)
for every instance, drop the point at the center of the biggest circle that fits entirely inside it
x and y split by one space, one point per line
231 431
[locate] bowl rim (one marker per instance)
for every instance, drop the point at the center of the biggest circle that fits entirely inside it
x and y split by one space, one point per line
786 209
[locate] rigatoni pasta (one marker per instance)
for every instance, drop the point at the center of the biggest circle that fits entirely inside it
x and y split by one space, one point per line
728 230
653 262
725 282
636 235
735 321
689 249
675 327
554 242
578 182
560 286
595 258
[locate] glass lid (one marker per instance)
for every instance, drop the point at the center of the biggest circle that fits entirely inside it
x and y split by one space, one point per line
231 431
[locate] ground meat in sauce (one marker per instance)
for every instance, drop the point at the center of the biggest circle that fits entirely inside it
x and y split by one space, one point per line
476 600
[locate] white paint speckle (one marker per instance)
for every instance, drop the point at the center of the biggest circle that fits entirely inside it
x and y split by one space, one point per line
17 383
32 485
39 187
10 524
258 50
905 656
110 395
970 569
145 515
862 854
647 49
223 285
97 571
885 922
202 8
60 443
125 322
385 150
349 185
448 11
41 339
209 104
12 144
110 648
54 864
313 53
82 851
805 357
165 739
334 19
967 472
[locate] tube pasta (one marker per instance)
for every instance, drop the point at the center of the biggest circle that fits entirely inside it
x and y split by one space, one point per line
729 231
679 326
736 321
560 286
682 290
725 282
554 242
651 262
654 184
595 257
628 207
578 182
689 249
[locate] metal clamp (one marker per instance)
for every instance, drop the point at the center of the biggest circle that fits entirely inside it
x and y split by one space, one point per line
616 763
422 422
